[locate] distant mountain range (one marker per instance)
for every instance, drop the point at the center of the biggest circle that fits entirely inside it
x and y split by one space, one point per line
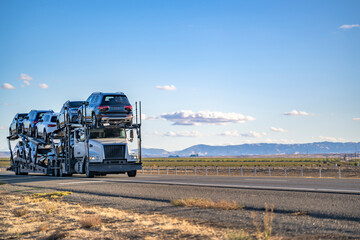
251 149
257 149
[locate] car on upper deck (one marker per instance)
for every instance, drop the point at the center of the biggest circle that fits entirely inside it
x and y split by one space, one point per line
29 124
111 108
46 125
16 124
69 113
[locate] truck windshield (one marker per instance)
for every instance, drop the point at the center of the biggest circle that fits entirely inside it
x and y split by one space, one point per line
107 133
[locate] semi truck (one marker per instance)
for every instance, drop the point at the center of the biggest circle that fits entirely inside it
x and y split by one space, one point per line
80 149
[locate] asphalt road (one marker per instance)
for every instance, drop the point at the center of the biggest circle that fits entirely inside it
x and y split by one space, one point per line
310 206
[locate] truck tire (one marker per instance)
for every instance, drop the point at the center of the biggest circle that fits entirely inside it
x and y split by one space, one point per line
87 171
131 173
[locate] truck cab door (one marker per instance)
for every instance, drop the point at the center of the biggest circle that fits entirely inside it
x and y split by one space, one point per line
79 144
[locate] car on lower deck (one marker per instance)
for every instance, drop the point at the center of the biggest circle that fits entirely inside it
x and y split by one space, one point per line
111 108
16 124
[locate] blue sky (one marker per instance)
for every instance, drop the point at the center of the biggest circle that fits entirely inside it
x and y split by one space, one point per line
209 72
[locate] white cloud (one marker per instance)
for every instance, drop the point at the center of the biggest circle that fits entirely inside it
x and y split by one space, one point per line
180 134
188 117
275 129
331 139
166 87
27 83
25 77
235 133
43 85
7 86
356 119
146 117
349 26
296 113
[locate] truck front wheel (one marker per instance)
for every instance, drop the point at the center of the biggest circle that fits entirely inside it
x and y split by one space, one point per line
87 171
131 173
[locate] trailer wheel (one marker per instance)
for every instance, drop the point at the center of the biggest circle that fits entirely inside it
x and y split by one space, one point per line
131 173
87 171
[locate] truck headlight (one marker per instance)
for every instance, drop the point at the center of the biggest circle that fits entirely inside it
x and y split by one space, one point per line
94 158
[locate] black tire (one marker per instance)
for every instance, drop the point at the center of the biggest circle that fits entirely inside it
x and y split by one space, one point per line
61 173
45 136
87 171
131 173
94 122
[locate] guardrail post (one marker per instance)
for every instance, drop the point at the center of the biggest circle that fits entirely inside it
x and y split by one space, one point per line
185 171
285 172
269 171
302 171
339 172
229 171
158 171
167 170
205 170
195 171
320 171
217 171
241 171
255 171
175 170
150 170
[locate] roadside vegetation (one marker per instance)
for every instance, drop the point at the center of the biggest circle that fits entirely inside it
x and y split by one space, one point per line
207 203
236 162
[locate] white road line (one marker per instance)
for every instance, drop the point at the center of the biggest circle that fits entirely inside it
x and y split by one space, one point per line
69 183
245 186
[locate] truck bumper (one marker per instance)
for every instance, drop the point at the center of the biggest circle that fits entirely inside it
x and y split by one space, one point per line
114 168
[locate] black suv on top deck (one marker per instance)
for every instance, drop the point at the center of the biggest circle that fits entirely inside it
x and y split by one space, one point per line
32 119
68 113
106 108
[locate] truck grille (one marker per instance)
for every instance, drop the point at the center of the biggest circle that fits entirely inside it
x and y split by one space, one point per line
114 151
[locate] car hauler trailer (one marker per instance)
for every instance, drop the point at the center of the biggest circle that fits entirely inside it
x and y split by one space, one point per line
79 149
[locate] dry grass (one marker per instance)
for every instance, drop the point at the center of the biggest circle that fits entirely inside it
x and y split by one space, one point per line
90 221
266 232
20 212
76 221
43 227
207 203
